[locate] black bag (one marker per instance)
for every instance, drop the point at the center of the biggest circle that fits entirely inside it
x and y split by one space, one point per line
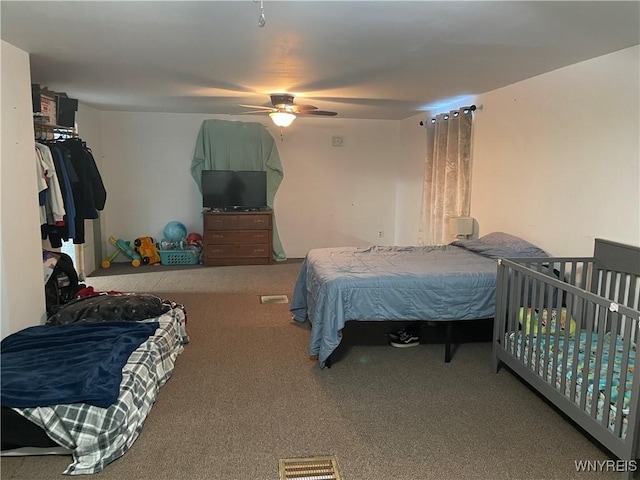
63 284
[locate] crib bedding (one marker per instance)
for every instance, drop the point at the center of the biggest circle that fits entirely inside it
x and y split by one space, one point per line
439 283
97 436
587 348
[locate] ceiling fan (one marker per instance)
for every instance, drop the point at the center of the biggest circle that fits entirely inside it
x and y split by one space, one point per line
283 111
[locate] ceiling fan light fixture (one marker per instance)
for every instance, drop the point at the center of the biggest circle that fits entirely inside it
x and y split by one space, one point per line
282 119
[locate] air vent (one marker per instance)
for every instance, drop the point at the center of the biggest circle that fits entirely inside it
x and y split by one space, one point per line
274 299
309 468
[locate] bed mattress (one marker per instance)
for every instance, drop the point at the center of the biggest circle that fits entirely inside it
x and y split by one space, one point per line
96 436
335 285
381 283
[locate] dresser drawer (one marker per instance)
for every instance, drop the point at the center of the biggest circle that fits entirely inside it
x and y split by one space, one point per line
237 222
237 251
237 236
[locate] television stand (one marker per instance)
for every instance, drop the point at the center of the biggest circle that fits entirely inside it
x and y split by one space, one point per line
238 237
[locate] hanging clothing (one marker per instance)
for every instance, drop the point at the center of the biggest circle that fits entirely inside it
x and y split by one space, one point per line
89 193
70 190
41 179
52 227
66 175
226 145
55 212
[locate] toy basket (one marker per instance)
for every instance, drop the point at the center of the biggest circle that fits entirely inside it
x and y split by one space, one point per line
179 257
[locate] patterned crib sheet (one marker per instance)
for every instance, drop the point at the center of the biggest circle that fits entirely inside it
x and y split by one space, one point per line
586 357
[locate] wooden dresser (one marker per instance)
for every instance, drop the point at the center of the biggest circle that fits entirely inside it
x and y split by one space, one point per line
238 238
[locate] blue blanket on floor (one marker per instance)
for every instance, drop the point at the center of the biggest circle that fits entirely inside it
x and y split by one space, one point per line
78 363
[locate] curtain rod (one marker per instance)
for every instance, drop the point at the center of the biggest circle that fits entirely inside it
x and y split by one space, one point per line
471 108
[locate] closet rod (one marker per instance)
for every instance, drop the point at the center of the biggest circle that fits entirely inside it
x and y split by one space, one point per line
55 131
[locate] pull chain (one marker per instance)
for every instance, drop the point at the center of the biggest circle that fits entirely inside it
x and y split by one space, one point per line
262 20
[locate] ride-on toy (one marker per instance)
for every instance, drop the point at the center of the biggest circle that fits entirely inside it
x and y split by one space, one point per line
122 247
147 250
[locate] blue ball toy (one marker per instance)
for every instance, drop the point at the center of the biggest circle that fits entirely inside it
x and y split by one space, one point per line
174 231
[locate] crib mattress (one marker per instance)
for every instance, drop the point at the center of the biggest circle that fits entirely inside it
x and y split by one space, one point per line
586 358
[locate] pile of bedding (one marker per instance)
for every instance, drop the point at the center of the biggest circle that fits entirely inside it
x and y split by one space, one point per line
90 383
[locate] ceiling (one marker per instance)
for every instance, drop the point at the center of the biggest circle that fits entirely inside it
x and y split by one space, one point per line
362 59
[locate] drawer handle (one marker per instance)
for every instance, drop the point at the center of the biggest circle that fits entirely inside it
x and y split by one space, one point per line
216 251
259 250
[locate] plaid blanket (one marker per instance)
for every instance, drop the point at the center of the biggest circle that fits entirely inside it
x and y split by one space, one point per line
97 436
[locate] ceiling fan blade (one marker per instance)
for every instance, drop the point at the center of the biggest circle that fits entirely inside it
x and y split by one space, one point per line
261 107
301 108
318 112
249 112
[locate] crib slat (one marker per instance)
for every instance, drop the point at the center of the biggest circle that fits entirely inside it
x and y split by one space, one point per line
516 296
527 336
515 299
558 330
578 335
537 303
565 348
600 331
589 312
624 367
612 320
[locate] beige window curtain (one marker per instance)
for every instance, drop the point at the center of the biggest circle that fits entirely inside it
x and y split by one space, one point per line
447 180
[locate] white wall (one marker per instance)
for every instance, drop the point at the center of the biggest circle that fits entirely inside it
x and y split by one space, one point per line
336 196
409 182
330 196
22 284
556 158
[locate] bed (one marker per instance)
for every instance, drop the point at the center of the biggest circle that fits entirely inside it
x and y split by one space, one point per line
569 328
90 384
448 283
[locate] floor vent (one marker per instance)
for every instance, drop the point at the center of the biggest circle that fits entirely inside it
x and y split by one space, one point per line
309 468
274 299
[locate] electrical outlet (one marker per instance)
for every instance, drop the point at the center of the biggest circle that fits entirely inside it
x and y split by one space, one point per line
338 141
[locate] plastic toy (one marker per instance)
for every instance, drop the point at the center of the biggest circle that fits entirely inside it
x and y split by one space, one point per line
174 231
107 262
147 250
194 239
122 247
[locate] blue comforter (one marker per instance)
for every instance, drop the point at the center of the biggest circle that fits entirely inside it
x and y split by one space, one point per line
448 282
78 363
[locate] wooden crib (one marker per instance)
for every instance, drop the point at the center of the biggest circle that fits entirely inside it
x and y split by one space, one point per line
569 328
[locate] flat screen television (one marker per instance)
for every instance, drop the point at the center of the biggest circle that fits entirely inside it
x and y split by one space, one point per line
234 190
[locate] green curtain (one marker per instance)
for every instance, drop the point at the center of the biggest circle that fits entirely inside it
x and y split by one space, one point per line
225 145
